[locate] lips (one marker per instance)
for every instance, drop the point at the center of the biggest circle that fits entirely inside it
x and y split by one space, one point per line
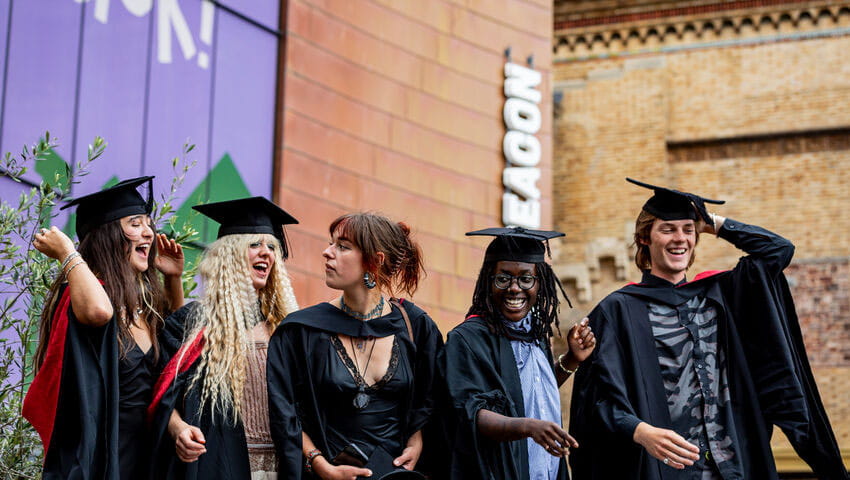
514 303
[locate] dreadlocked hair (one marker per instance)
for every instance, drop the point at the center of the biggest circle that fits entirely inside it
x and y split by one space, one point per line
544 312
227 312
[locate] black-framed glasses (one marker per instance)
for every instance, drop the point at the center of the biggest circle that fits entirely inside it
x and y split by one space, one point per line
503 281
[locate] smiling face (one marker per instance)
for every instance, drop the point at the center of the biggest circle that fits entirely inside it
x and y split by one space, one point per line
514 303
261 258
671 246
343 263
137 229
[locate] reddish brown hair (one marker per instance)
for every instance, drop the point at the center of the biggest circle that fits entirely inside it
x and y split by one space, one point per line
373 233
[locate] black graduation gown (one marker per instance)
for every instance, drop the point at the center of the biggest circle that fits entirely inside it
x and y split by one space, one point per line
299 350
227 449
770 380
73 400
480 373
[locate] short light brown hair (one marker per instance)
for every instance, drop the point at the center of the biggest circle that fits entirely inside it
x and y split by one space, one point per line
643 230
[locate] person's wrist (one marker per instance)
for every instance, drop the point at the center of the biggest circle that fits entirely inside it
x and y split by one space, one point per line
568 363
639 432
523 426
177 427
321 466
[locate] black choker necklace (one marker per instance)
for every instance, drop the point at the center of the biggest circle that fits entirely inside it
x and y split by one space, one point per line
374 313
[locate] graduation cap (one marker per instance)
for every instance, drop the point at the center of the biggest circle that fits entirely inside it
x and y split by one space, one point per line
517 244
249 215
110 204
669 204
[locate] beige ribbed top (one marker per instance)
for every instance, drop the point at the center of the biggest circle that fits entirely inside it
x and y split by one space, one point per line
256 400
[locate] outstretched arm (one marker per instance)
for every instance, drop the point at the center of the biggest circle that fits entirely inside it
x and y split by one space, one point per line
547 434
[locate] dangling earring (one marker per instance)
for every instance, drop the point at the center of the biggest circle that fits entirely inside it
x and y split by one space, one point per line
368 281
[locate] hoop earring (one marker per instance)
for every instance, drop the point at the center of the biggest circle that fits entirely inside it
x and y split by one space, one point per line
368 281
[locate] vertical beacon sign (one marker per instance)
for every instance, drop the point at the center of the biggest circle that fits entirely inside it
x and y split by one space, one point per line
521 200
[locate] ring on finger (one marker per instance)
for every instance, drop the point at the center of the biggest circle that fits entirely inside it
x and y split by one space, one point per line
666 461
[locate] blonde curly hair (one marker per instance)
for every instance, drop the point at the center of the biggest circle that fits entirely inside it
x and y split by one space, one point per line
228 310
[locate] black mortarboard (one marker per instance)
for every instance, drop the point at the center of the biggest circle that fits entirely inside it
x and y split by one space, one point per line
249 215
111 204
669 204
517 244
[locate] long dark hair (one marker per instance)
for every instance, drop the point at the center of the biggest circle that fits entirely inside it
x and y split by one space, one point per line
373 233
105 249
544 312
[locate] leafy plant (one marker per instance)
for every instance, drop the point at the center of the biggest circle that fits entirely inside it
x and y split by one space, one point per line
26 276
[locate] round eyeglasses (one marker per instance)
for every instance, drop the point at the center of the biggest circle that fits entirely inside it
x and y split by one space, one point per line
503 281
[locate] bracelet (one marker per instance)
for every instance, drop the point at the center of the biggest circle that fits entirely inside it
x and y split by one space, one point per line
563 368
67 260
311 455
73 267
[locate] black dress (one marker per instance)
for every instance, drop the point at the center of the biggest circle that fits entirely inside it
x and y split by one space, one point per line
312 390
378 424
137 373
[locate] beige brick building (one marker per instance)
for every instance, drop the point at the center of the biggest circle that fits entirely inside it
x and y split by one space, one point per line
741 100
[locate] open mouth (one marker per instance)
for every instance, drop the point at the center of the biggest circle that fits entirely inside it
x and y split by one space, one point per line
677 251
262 268
142 249
515 303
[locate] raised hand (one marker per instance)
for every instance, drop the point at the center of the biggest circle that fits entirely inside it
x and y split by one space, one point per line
169 259
53 243
581 341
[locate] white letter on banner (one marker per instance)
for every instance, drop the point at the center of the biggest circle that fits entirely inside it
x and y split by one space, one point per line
522 181
101 9
522 115
139 8
171 16
521 149
519 213
520 82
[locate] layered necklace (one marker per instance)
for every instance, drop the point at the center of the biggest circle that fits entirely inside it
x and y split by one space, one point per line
361 399
374 313
360 342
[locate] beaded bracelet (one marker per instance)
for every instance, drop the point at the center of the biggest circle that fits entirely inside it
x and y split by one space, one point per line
311 455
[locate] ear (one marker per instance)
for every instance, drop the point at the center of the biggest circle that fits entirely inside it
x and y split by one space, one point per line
380 257
643 241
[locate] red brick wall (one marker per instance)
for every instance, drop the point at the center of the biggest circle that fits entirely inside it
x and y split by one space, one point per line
396 106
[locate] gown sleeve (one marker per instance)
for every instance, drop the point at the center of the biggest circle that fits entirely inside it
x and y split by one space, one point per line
282 376
429 342
762 307
612 405
473 384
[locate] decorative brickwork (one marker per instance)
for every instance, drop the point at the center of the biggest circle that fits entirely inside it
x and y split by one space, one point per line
698 26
